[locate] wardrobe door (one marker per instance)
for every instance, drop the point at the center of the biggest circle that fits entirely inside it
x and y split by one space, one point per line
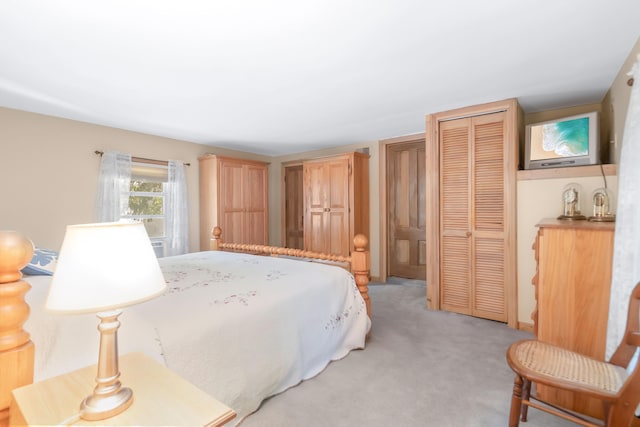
254 187
233 195
315 188
336 202
326 205
337 215
232 201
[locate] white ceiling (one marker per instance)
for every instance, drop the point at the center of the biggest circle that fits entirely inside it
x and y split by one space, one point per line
283 76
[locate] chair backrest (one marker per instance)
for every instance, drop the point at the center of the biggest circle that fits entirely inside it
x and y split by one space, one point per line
629 393
631 339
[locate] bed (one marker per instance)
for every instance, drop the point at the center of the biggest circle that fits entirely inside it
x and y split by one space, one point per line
240 326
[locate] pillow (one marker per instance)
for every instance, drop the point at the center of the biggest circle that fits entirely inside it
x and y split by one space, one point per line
43 263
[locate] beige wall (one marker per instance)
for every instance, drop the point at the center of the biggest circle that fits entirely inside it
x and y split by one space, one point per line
49 172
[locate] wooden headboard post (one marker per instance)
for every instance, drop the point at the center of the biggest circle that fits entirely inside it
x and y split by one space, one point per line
216 240
360 266
16 349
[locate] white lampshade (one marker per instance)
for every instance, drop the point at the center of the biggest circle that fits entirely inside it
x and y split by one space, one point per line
104 266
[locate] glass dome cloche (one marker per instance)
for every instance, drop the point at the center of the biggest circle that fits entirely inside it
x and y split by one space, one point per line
572 202
602 201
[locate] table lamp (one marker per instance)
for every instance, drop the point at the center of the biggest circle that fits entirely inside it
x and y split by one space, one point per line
101 269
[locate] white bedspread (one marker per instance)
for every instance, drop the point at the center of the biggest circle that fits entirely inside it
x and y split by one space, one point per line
240 327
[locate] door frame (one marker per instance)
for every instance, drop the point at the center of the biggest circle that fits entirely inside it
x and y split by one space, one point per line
514 113
383 146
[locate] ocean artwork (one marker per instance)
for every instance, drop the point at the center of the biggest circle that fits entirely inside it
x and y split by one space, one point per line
568 138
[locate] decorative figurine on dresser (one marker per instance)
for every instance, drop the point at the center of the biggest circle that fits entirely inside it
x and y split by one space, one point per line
571 202
602 203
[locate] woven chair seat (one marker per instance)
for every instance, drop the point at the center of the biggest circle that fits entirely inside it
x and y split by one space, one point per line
618 389
557 363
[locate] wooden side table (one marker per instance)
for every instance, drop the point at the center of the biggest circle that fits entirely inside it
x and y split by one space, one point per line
160 397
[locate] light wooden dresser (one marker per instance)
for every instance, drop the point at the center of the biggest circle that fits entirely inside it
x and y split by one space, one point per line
572 293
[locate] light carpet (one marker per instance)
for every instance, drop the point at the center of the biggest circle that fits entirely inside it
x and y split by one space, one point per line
419 368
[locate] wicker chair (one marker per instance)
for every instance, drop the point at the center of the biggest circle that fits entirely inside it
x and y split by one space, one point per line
542 363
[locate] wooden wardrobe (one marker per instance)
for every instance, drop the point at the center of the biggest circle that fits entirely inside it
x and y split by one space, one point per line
472 160
336 202
233 195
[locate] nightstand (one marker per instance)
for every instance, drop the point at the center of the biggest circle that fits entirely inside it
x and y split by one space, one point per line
160 397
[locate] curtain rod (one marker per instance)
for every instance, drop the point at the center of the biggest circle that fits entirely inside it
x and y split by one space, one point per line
143 160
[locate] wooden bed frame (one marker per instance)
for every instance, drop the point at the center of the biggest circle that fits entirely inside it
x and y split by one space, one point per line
16 347
358 263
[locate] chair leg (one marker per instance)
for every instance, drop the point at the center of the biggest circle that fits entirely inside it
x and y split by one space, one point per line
620 414
516 402
526 394
606 407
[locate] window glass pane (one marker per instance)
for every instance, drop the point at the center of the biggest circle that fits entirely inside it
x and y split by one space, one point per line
146 201
146 186
146 205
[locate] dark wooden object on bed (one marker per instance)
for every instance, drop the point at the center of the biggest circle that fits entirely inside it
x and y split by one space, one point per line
16 348
359 262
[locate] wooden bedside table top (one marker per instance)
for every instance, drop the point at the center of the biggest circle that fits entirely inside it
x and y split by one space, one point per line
160 397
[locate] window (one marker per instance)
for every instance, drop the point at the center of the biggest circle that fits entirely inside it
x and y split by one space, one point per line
151 191
147 202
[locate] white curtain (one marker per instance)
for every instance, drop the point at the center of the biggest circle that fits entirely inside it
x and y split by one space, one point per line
113 186
176 211
626 252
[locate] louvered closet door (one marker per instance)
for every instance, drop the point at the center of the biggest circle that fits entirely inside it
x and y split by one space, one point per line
488 221
472 216
455 226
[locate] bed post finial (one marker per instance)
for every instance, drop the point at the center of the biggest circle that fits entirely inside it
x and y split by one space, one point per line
15 252
360 265
216 240
16 349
